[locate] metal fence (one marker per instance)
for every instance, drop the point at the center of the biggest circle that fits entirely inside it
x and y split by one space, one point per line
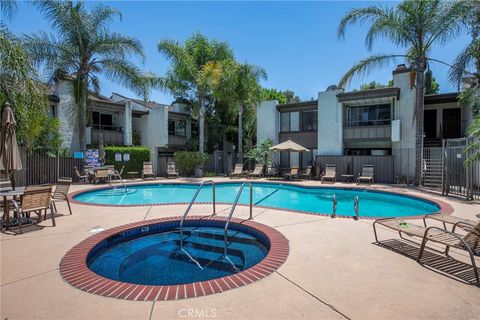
41 167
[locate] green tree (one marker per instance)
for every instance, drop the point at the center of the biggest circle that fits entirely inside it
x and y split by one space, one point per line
290 96
431 84
195 70
372 85
20 86
261 153
83 46
273 94
240 86
415 26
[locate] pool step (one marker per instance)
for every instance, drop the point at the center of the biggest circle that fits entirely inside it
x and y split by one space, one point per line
137 257
219 237
211 248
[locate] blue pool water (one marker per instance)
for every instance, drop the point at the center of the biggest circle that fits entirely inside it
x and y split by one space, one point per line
282 196
153 257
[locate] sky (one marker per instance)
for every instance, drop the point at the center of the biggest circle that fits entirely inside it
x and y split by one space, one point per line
295 42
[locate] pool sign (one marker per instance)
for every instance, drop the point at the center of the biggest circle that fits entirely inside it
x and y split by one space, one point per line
118 157
126 157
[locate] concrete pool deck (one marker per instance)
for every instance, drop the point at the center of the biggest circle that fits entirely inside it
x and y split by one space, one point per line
333 271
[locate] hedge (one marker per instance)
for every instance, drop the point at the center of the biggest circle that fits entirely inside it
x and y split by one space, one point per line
186 161
138 155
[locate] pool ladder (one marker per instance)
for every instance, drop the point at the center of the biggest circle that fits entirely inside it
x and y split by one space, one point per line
188 210
356 207
239 193
117 174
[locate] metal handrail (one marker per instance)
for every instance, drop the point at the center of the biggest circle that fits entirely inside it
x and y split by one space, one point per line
190 206
116 173
239 193
334 209
356 206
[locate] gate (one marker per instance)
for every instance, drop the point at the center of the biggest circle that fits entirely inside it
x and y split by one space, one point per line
444 169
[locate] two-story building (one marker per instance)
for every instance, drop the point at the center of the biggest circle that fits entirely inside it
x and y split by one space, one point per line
120 120
362 123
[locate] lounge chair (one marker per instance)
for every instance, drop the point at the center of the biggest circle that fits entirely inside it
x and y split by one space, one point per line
307 174
293 173
148 171
171 170
102 175
367 174
35 199
468 242
61 193
272 172
257 172
330 173
465 224
81 177
237 172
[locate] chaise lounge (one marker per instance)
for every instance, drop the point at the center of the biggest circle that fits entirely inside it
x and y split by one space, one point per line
468 242
367 175
330 173
148 171
237 172
257 172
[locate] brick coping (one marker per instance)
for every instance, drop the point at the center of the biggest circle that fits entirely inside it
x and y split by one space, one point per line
74 269
445 208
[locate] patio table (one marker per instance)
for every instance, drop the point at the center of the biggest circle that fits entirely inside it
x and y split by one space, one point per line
5 194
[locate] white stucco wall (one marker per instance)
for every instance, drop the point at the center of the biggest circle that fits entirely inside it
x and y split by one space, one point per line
68 121
268 124
330 126
404 150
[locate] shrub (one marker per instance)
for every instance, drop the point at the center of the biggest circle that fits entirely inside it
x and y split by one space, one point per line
137 156
186 161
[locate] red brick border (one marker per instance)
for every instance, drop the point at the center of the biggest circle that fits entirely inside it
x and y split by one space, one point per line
444 207
75 271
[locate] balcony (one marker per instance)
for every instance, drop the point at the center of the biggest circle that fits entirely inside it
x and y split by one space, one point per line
109 134
175 140
370 130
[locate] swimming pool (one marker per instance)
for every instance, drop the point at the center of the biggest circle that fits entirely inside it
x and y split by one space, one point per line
144 260
316 200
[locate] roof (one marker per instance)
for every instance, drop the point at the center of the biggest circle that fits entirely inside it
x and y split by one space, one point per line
441 98
98 98
304 105
369 94
148 104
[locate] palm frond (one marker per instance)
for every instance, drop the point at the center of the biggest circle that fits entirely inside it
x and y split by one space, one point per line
126 74
368 65
8 8
466 60
116 45
362 15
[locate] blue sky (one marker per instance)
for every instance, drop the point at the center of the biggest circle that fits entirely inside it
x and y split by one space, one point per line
295 42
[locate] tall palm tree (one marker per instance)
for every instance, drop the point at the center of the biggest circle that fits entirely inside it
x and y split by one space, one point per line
240 86
416 26
84 47
196 67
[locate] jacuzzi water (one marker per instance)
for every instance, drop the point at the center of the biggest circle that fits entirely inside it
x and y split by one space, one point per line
276 195
153 257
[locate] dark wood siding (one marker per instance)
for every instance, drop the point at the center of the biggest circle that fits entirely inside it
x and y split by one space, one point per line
308 139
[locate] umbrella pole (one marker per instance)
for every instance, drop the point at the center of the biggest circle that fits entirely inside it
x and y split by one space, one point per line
12 180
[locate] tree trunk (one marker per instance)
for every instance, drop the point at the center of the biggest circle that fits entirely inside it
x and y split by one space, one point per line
82 116
420 95
201 126
240 134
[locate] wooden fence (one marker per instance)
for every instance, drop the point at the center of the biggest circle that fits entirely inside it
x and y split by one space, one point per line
352 165
40 167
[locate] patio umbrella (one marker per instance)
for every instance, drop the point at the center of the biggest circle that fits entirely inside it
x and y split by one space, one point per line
101 151
9 154
289 145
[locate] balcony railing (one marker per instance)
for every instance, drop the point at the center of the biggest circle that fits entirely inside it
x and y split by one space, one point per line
379 132
365 123
174 140
105 127
109 136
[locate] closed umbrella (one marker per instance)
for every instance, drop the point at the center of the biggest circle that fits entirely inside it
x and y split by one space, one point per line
289 145
9 154
101 151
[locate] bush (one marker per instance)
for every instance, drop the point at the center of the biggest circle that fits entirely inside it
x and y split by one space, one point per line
186 161
137 156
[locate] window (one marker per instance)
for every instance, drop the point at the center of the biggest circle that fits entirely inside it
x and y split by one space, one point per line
372 115
295 121
285 121
309 120
177 128
171 127
284 159
102 121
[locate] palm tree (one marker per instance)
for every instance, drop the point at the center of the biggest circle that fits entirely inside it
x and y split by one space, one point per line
416 26
240 86
84 48
196 67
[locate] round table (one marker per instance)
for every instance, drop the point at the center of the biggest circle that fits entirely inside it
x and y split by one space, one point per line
5 194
